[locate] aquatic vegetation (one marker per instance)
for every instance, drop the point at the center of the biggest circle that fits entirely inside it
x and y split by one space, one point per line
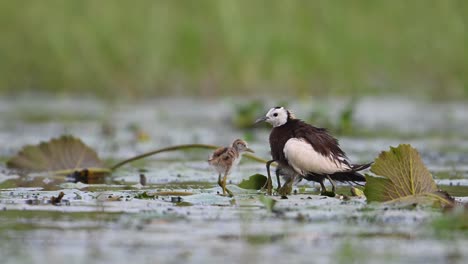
342 124
402 177
268 202
255 182
62 155
346 124
245 114
178 216
356 192
455 219
69 156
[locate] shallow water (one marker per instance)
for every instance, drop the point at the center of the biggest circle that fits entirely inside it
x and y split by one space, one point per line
109 223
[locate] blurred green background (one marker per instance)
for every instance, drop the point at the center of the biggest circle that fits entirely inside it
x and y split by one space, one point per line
135 49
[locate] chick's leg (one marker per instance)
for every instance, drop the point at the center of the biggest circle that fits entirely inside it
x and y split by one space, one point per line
224 186
220 182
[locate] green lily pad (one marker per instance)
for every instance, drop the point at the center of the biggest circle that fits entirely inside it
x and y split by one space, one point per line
401 176
255 182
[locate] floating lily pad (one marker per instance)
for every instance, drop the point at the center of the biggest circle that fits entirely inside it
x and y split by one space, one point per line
255 182
63 155
401 176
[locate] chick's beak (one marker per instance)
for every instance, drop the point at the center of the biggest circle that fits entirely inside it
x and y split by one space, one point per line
249 150
261 119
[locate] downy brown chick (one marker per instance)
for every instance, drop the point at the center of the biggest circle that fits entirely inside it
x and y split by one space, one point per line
225 158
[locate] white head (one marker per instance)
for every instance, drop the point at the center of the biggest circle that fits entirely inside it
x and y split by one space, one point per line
276 116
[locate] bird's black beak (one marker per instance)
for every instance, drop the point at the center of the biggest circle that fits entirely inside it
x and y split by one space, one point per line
261 119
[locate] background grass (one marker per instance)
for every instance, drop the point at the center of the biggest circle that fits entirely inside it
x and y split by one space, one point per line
209 48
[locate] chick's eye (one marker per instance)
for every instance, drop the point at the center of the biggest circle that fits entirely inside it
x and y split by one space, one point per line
275 114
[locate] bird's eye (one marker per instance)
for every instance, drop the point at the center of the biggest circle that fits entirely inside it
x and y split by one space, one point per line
275 114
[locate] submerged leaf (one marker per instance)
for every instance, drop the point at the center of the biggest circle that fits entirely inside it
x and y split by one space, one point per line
456 219
435 199
402 176
62 155
255 182
268 202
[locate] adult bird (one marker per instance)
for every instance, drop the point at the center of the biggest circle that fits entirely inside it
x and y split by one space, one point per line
225 158
303 151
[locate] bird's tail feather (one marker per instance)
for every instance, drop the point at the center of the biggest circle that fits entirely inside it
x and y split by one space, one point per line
360 167
348 176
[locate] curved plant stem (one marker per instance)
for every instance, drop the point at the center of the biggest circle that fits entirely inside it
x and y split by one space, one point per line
255 158
178 147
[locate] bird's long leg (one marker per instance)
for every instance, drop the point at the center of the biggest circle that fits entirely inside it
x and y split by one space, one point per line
286 189
224 186
332 183
323 189
278 178
268 184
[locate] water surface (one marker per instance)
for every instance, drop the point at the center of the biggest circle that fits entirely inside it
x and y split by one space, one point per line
186 221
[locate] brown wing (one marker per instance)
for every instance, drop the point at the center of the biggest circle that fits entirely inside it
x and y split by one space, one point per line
218 152
321 140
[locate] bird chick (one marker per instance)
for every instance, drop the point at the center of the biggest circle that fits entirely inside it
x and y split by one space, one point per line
225 158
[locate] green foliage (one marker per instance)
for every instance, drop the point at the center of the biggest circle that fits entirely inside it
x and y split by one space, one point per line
349 252
343 124
268 202
63 155
320 116
255 182
455 220
69 156
145 195
402 177
210 47
356 192
346 125
246 114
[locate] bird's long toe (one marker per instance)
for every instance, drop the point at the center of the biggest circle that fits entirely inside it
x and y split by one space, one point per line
229 193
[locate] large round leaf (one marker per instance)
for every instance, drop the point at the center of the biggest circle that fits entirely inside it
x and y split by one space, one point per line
60 155
402 176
